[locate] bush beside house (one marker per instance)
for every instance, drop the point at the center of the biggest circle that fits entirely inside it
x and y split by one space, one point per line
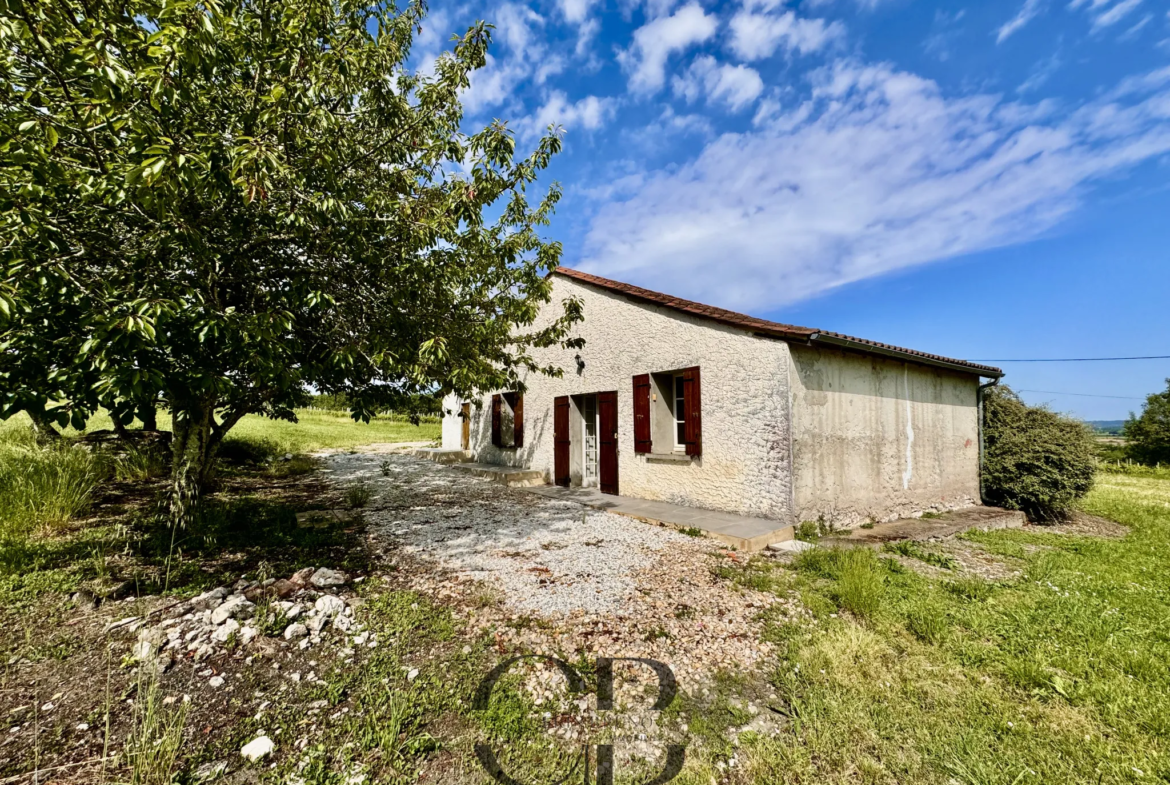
1035 460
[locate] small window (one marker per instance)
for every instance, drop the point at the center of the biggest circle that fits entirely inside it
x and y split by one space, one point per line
508 420
680 440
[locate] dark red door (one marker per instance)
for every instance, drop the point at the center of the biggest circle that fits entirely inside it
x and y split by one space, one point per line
607 439
561 441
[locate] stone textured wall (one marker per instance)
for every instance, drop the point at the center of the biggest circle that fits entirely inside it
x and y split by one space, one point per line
744 467
875 438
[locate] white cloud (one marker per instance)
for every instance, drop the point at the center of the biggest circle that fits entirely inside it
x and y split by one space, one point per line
1105 13
1114 14
756 35
1026 14
575 11
655 41
517 54
735 85
875 172
588 114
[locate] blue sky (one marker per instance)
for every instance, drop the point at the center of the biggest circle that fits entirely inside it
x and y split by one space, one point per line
983 180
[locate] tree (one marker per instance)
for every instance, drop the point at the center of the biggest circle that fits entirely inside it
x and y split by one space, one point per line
1034 459
212 204
1149 434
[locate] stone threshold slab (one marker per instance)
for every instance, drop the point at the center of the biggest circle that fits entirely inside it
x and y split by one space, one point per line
737 531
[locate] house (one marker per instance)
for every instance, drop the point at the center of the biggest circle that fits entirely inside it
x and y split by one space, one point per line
675 401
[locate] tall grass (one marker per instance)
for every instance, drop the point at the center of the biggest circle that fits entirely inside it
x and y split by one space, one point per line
156 736
43 487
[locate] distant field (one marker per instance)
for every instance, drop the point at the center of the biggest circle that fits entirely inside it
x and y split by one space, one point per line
314 430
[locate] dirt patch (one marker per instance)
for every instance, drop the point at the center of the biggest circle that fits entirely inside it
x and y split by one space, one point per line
1085 525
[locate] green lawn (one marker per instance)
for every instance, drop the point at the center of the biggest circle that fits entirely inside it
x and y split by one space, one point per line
314 430
1060 676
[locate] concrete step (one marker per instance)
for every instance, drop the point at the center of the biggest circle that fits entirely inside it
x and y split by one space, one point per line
511 476
441 455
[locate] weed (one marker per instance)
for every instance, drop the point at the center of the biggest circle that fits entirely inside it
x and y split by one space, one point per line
931 515
969 588
859 576
385 467
692 531
358 496
808 531
140 463
295 466
914 550
927 621
44 488
156 735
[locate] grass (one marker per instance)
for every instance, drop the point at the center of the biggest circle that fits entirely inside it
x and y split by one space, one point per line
1059 676
42 488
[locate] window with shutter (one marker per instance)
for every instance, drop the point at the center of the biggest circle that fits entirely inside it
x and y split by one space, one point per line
497 418
642 438
517 402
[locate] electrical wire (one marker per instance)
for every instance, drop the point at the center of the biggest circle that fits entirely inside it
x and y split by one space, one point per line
1076 359
1084 395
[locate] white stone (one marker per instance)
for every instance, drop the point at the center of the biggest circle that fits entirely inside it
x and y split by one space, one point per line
236 605
412 674
257 748
247 635
294 631
216 681
225 631
329 606
325 578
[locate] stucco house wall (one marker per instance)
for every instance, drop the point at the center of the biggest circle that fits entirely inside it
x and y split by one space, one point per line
744 466
877 438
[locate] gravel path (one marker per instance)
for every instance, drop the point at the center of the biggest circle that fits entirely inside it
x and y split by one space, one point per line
604 584
547 556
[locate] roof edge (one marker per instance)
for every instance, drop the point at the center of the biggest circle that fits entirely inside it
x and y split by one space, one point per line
787 332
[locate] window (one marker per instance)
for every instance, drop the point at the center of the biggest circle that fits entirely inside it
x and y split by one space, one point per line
667 412
508 420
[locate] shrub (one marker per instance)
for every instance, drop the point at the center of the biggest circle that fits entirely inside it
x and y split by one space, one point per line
1149 434
248 450
1035 460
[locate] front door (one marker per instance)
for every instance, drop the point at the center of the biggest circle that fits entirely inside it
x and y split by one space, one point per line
466 415
607 424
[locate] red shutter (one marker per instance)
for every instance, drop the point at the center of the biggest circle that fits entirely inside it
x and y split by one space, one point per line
642 441
518 419
607 442
692 414
561 442
497 412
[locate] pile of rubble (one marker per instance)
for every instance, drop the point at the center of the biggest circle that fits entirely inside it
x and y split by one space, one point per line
302 609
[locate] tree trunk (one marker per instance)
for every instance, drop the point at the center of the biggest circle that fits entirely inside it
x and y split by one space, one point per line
148 414
44 429
193 447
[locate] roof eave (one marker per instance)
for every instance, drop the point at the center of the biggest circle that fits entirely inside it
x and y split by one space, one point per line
866 348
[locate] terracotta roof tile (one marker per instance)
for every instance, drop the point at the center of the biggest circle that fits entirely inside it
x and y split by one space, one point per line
774 329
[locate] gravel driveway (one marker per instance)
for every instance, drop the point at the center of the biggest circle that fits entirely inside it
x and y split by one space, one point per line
604 582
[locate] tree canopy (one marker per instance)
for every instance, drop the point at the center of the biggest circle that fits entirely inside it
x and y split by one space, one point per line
211 205
1149 433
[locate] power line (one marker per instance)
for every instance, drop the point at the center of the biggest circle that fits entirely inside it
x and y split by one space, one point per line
1083 395
1076 359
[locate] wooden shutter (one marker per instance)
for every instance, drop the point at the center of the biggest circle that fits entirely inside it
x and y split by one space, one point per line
642 441
692 411
497 414
607 442
517 420
561 441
